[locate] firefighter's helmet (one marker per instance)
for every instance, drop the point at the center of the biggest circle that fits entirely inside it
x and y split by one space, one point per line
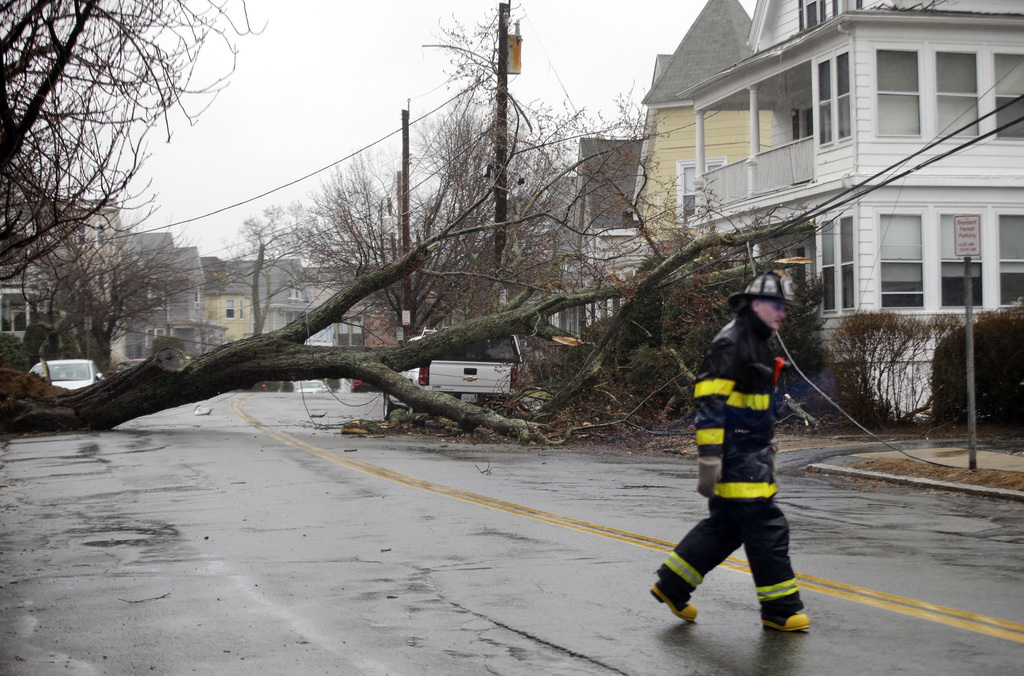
768 285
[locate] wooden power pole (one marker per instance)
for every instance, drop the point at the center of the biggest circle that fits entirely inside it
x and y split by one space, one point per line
407 301
501 138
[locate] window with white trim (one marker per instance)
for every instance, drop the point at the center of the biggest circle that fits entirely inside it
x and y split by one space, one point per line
1010 85
837 265
844 117
834 116
686 191
953 270
229 308
812 13
902 273
350 331
825 102
898 93
1011 260
956 82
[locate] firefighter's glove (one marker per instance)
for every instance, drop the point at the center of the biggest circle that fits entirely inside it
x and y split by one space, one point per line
709 471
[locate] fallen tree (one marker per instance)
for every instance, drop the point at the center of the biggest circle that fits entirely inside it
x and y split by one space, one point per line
167 380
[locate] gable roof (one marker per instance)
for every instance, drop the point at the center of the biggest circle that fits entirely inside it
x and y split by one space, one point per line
607 176
716 40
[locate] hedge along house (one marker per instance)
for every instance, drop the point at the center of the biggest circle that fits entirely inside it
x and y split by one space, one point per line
858 91
716 41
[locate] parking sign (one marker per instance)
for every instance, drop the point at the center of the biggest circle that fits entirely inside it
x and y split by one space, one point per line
967 236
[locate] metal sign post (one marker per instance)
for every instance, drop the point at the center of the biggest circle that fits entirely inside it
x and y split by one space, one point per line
967 243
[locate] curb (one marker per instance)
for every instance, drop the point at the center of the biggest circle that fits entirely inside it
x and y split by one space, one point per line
984 491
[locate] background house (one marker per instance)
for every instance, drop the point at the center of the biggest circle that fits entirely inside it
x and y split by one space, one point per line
677 131
856 93
604 241
181 313
227 297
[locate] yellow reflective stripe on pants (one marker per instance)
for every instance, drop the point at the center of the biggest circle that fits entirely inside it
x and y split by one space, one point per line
720 386
711 435
755 402
777 591
745 490
684 570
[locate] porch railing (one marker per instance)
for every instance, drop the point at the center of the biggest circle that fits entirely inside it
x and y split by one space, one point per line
780 167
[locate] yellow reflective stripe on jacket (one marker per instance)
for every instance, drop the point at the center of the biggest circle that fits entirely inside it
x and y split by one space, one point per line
777 591
717 386
757 402
684 570
710 436
745 490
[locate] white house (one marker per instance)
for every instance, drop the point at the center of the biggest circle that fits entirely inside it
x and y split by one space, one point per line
860 91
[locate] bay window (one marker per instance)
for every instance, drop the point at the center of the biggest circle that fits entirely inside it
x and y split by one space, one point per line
1011 259
957 92
898 95
902 273
1010 85
837 270
834 117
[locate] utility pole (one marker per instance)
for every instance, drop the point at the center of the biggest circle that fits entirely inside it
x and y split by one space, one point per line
406 239
501 138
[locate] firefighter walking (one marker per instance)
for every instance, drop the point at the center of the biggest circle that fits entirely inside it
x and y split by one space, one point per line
735 423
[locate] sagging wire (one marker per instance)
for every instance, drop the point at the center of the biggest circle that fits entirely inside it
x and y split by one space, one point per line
839 408
372 402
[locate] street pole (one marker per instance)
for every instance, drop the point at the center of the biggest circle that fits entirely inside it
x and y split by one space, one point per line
406 238
972 414
501 138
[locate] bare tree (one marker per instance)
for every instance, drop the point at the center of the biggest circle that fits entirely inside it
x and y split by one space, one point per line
94 289
485 296
267 258
84 81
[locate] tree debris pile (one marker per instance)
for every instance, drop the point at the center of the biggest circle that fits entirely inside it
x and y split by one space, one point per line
18 385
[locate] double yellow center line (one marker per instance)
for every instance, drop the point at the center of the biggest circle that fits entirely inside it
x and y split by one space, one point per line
983 624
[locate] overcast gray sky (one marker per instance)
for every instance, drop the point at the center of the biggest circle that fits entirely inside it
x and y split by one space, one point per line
327 77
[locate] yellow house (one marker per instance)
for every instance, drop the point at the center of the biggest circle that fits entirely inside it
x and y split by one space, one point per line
668 186
226 299
232 310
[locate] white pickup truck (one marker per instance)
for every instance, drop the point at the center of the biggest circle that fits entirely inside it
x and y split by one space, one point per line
487 368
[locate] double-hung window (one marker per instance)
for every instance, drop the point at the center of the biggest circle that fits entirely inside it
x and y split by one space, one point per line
812 13
1011 259
686 190
1010 85
956 78
825 102
837 270
834 96
843 113
229 308
953 270
902 274
350 331
898 94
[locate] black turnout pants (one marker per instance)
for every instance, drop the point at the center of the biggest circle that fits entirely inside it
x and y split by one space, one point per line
761 527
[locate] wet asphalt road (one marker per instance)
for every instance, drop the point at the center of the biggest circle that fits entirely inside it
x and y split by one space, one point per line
248 541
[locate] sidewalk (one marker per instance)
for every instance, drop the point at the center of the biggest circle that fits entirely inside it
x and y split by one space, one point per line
949 456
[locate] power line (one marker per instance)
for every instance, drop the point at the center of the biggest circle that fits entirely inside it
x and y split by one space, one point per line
307 176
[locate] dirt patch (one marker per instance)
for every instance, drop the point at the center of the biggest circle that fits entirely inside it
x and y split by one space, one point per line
975 477
26 386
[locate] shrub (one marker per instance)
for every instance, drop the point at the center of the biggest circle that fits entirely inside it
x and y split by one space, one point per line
879 361
998 369
13 354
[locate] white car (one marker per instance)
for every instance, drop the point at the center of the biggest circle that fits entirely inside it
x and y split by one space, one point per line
310 386
71 374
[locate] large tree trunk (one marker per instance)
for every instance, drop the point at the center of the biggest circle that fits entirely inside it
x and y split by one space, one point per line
168 380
